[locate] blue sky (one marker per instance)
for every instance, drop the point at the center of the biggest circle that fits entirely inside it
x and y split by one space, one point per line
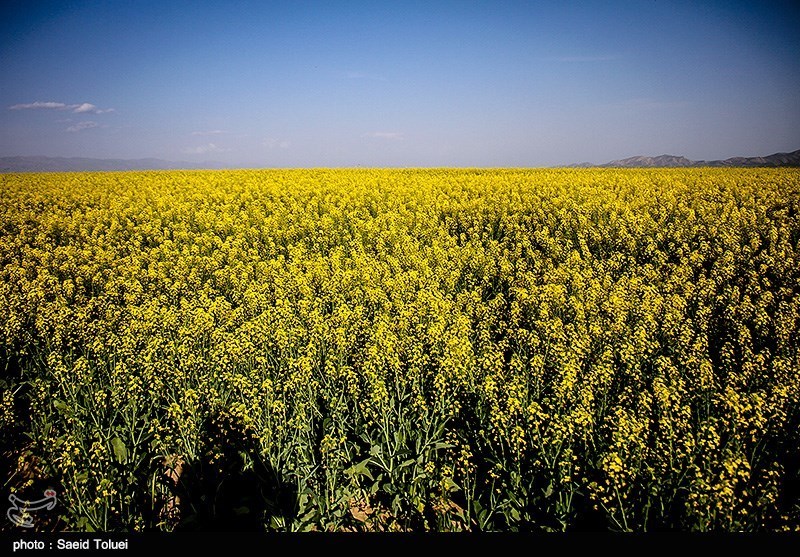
432 83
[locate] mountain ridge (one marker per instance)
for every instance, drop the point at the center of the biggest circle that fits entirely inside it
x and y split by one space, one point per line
678 161
86 164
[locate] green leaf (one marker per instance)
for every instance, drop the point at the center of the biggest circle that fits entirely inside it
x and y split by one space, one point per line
84 524
61 406
451 485
120 451
406 463
360 469
438 446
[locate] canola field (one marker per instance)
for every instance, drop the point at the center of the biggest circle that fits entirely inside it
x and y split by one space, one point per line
378 350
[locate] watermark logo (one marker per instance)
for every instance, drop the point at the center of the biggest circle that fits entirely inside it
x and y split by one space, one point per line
20 510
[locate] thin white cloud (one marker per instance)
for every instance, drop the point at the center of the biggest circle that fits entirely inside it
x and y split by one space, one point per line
85 125
89 108
271 143
210 132
385 135
80 108
204 149
38 104
84 107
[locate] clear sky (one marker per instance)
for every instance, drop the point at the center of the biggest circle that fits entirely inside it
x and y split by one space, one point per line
377 83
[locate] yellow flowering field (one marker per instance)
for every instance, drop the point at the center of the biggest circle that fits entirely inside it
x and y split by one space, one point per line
437 349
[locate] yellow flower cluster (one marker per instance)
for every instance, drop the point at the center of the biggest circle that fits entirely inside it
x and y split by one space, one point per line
407 349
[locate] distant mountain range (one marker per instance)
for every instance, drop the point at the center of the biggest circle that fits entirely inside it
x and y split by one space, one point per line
672 161
75 164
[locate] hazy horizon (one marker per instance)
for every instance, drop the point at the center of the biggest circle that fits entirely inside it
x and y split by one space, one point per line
478 84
